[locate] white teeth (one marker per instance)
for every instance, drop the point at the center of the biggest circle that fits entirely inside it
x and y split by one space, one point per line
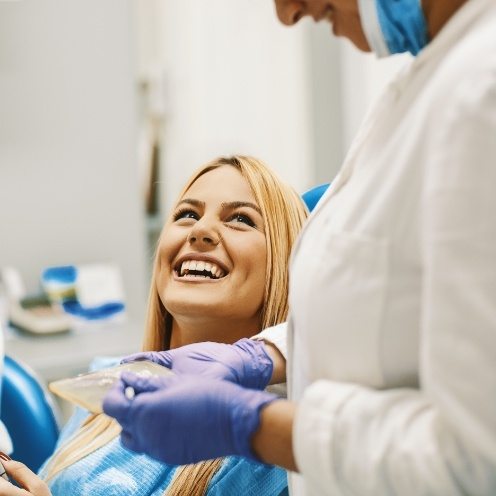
193 265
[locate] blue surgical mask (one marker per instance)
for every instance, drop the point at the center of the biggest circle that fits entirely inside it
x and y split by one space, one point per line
393 26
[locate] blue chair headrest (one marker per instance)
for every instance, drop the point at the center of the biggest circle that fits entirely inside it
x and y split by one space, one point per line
28 415
312 196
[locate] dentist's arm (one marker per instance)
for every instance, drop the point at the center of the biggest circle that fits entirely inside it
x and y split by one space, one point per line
184 419
272 442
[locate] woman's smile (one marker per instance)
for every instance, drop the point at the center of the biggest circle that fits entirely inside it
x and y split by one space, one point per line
199 268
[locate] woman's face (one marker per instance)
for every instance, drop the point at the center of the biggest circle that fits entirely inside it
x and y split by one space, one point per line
342 14
212 254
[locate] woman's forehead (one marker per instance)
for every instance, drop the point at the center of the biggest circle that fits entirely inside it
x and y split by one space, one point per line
223 184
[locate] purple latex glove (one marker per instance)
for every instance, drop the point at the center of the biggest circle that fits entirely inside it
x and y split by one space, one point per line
185 419
245 362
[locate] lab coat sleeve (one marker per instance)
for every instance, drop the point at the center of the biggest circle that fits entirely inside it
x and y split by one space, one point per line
440 438
276 335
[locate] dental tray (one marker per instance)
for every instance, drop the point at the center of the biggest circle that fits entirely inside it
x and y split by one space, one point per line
88 390
36 314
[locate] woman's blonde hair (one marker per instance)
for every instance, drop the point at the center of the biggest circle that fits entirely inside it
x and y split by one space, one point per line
283 215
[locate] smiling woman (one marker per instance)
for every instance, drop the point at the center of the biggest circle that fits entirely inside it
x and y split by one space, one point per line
213 257
236 214
220 274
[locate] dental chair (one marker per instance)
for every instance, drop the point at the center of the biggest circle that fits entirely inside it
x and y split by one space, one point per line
28 413
312 196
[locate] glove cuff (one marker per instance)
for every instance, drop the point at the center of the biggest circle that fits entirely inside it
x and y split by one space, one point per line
245 420
257 364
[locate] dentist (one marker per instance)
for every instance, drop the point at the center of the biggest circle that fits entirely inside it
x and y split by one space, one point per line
391 358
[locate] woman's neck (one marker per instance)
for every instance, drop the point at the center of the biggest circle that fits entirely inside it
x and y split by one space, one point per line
188 331
438 13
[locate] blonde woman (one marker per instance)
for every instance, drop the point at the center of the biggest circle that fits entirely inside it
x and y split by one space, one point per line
220 275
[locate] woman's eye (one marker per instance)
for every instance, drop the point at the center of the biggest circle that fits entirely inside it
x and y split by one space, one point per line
186 214
242 218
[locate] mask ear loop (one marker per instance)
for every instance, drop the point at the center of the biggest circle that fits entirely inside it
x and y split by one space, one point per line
369 18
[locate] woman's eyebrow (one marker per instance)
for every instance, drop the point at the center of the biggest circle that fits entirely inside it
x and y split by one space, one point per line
238 204
191 201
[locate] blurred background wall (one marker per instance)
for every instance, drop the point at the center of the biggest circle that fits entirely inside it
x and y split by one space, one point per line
107 106
68 171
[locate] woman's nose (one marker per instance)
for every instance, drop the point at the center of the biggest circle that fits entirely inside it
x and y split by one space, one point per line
203 234
290 12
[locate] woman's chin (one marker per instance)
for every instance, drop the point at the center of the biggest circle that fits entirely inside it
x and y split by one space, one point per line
197 306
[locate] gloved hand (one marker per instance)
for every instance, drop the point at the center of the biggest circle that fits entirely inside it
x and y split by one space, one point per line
185 419
245 362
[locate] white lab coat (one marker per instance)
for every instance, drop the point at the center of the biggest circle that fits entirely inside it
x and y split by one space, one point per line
392 336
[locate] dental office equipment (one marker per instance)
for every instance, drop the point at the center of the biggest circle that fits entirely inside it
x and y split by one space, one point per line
31 313
88 292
